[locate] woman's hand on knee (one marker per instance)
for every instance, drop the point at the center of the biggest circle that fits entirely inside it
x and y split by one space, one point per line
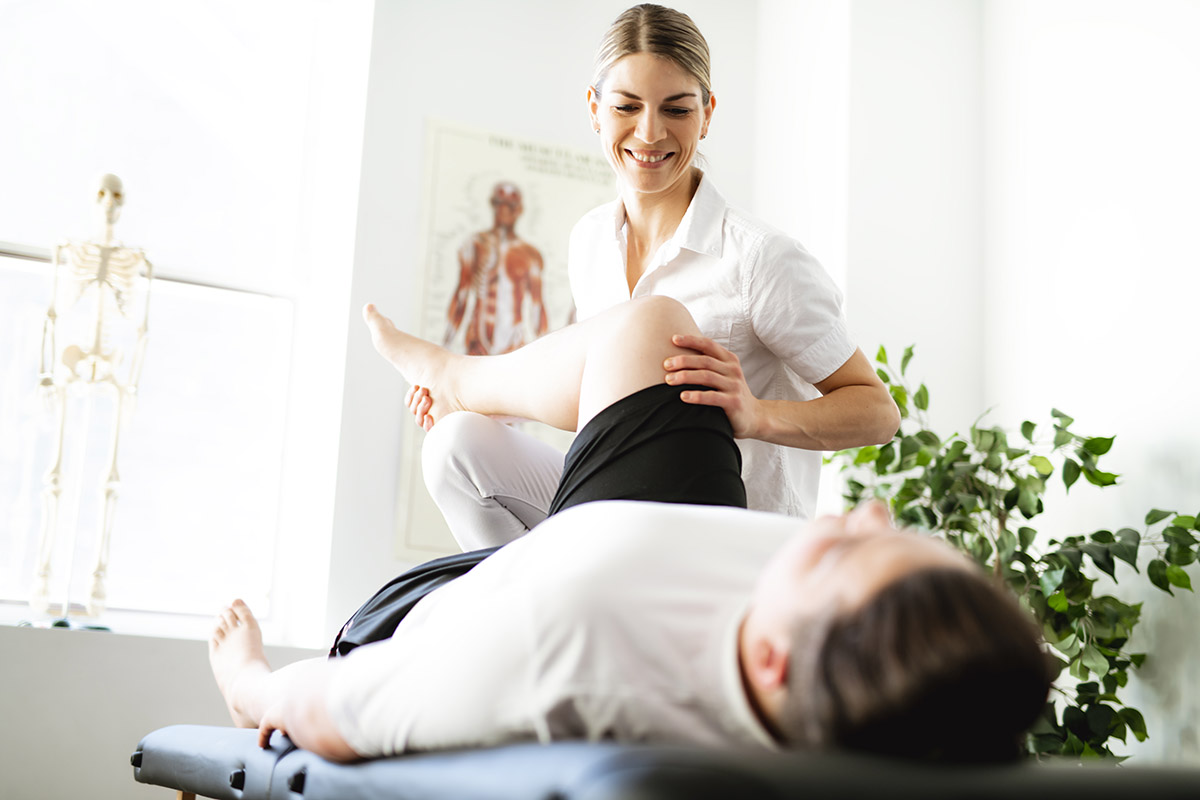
719 369
419 403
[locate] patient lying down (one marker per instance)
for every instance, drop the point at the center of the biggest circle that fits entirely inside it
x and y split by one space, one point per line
672 621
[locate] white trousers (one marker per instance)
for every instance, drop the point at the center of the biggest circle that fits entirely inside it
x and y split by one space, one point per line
491 482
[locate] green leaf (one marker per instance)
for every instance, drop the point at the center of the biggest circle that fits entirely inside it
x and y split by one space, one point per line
908 354
900 395
1062 418
1101 719
1179 554
1026 536
1027 429
1071 471
1126 546
1062 437
1133 718
1027 501
866 455
1099 477
921 398
1058 602
1098 445
1137 659
1075 721
886 456
1052 579
881 356
1072 556
1156 515
1087 692
1185 521
883 376
1094 660
1101 557
1178 577
1157 572
1176 535
930 438
1041 464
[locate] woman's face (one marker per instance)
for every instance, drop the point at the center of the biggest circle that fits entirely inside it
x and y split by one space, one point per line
650 117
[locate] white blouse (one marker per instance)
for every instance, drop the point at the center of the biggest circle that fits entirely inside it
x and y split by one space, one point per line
752 289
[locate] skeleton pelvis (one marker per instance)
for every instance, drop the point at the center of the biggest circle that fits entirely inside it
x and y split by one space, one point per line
86 365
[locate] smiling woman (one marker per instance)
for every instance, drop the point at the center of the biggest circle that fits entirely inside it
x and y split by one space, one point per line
773 348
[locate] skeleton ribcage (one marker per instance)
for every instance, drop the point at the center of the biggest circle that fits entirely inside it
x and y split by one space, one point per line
98 305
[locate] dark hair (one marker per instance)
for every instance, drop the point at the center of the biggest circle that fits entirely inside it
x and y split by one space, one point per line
660 31
940 664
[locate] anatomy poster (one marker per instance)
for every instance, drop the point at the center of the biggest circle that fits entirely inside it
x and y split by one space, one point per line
498 212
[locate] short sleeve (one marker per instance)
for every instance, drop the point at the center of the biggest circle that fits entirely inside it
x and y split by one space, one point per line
795 309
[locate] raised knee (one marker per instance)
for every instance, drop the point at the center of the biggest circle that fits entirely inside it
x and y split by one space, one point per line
656 316
445 454
446 439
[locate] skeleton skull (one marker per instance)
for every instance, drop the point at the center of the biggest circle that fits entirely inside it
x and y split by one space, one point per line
110 197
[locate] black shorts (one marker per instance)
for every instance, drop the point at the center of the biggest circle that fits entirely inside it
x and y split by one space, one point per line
653 446
648 446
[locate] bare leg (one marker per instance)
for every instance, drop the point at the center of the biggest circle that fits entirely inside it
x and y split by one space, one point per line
562 379
246 681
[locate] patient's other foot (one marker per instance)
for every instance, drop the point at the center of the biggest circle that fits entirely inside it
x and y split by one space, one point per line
423 364
235 651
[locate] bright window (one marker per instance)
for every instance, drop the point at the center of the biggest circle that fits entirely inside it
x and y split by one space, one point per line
236 128
199 456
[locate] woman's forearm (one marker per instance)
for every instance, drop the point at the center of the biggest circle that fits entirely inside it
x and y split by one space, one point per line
850 416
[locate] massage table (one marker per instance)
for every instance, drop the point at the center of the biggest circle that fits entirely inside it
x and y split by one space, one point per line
216 762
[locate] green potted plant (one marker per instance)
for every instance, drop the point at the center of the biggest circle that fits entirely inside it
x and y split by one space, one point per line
981 492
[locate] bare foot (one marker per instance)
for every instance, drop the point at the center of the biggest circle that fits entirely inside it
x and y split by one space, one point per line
235 652
427 367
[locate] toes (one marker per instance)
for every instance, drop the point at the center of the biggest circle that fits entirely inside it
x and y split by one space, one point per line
242 611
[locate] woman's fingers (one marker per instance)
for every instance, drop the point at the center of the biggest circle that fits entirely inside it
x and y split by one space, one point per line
701 344
419 403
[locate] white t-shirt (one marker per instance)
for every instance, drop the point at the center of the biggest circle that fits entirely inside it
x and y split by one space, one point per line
753 290
612 620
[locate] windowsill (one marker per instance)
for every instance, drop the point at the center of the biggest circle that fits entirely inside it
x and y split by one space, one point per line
157 624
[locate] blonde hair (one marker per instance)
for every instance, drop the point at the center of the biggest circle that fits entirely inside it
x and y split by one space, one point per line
659 31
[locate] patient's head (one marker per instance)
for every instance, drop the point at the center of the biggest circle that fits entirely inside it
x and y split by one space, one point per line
866 637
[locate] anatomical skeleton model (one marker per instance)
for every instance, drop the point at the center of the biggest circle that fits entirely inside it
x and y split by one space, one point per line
93 341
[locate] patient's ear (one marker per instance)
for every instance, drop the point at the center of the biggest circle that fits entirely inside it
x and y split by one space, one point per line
767 669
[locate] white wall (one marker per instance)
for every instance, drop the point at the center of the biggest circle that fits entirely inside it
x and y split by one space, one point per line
75 704
914 194
1093 270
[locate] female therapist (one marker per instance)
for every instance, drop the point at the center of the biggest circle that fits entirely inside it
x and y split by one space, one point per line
774 353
